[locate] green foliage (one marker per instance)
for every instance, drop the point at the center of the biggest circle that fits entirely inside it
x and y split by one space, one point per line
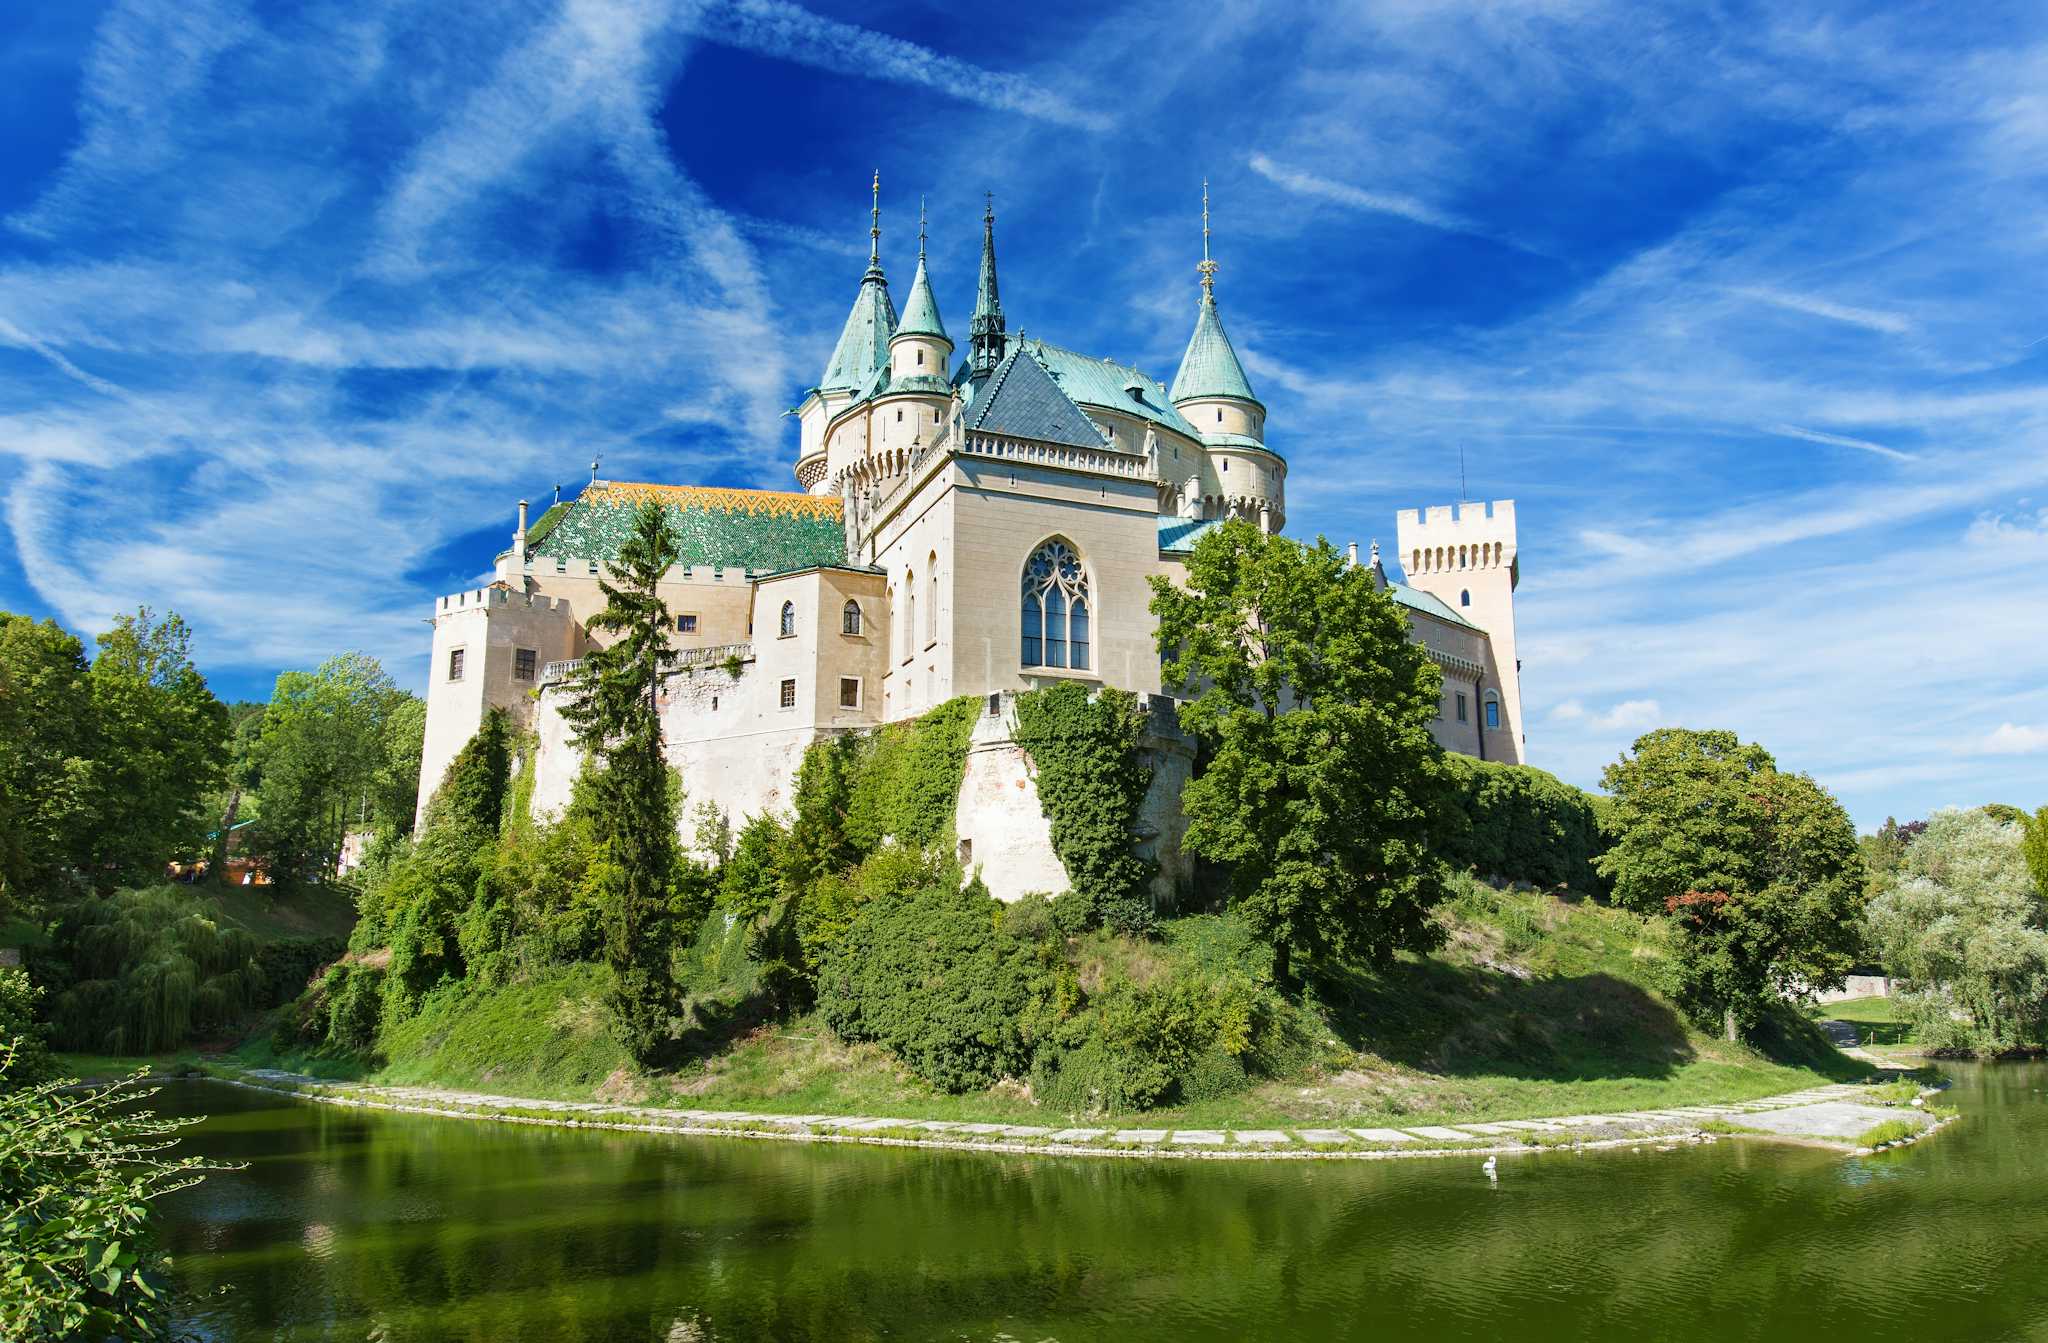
47 745
21 1031
1891 1130
78 1173
355 996
1322 776
324 753
147 970
616 715
2034 848
1091 784
1966 929
472 792
928 974
1758 870
1518 823
908 779
752 881
832 903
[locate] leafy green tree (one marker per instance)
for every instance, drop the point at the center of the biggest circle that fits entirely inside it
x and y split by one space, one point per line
322 747
79 1173
615 713
48 793
1322 777
472 792
2034 848
395 783
1966 929
1758 870
162 745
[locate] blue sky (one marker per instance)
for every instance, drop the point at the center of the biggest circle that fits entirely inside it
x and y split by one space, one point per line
1745 305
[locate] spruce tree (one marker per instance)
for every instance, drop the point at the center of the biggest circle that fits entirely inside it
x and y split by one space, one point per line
618 725
472 793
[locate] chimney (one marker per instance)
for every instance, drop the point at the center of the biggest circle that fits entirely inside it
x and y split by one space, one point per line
519 538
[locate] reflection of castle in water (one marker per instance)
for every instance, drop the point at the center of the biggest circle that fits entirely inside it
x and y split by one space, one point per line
970 527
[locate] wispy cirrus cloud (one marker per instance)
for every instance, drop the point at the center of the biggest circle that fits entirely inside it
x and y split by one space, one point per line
1839 441
1871 319
1303 183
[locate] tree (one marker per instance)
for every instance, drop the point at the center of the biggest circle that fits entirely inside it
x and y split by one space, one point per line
2034 849
322 747
1966 929
1758 870
47 749
162 745
615 713
472 792
1322 777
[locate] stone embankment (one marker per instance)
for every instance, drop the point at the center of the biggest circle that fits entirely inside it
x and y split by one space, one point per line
1826 1113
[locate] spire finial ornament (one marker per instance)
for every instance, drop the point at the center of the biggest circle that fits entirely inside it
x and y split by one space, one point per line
1208 267
920 228
875 226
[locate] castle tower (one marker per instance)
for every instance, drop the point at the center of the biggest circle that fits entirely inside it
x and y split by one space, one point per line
1464 556
986 338
920 348
1212 392
862 352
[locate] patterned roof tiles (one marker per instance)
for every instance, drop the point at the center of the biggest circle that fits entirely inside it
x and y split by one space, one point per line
1022 400
765 531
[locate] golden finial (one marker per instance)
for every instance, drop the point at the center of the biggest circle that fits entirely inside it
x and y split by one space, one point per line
1208 267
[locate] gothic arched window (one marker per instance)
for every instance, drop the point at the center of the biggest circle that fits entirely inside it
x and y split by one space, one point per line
1465 597
849 618
788 619
1056 608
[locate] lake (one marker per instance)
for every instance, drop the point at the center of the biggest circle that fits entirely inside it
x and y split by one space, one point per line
351 1224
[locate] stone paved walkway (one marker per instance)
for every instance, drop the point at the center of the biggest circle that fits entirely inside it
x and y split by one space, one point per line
1782 1114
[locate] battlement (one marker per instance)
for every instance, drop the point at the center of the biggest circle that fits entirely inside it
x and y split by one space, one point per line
480 598
1448 537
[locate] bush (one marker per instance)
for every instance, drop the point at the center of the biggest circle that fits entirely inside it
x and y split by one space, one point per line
149 969
20 1032
355 1004
287 967
1517 823
929 975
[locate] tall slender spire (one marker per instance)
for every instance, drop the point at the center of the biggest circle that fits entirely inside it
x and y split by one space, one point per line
1208 267
920 230
875 228
863 348
986 332
921 308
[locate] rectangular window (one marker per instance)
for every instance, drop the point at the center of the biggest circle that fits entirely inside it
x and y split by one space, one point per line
789 692
849 692
686 624
1461 708
1493 713
523 660
455 659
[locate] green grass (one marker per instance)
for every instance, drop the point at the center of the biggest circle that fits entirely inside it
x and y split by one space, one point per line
108 1067
1877 1020
1891 1130
1535 1007
274 912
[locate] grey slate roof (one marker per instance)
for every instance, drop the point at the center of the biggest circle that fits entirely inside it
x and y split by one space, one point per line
1021 399
1106 383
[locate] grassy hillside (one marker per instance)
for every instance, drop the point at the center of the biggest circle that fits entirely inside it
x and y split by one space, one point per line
1536 1006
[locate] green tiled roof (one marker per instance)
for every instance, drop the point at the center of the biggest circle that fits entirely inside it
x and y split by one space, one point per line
1022 400
864 341
1418 600
1177 536
921 310
1110 385
765 531
1210 366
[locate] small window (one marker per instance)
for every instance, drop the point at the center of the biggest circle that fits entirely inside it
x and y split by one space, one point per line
788 700
1492 712
788 619
714 704
849 618
1465 597
561 564
593 566
455 660
1226 463
899 414
686 624
1219 414
523 660
1463 717
995 704
849 692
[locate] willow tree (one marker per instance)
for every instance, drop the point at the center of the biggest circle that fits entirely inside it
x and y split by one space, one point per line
1323 783
615 712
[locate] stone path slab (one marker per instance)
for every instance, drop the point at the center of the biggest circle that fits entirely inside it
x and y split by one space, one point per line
1260 1135
1199 1137
1383 1135
1441 1134
1325 1136
1833 1119
1147 1136
1078 1134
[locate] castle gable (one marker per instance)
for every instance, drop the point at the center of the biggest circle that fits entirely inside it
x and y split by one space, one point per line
1110 385
762 531
1023 401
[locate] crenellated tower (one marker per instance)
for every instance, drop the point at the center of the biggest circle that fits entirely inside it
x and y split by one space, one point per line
1464 555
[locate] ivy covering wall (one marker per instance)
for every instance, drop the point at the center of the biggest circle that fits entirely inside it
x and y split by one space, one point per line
1091 783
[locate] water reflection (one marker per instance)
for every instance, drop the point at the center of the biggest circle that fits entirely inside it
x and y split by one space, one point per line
358 1225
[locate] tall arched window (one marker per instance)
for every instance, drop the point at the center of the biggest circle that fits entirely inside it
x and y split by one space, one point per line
849 618
1493 709
1056 608
788 619
931 605
909 614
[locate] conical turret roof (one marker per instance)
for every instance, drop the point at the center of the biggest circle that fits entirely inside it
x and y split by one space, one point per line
1210 366
921 310
863 344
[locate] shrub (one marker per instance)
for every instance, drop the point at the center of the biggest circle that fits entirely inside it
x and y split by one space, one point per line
1518 823
929 975
355 1003
20 1033
907 783
149 970
286 967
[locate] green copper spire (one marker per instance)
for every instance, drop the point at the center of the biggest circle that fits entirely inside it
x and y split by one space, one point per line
863 344
985 331
1210 366
921 309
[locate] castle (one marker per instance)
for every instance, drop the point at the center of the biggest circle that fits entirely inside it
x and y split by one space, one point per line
979 525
